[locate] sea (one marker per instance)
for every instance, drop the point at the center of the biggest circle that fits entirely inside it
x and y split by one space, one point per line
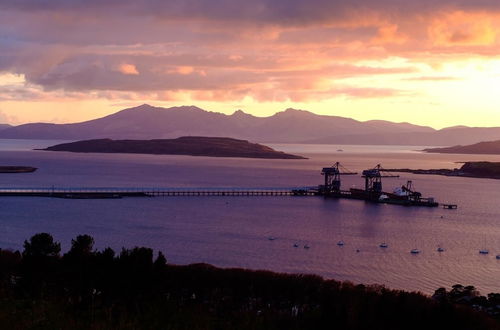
268 233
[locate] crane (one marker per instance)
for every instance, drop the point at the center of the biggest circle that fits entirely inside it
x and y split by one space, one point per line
332 178
373 179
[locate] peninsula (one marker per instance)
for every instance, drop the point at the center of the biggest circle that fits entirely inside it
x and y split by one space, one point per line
187 145
488 170
481 148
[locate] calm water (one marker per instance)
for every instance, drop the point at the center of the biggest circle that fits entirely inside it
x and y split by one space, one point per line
234 231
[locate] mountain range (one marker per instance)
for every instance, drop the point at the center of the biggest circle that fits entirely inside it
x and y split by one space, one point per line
289 126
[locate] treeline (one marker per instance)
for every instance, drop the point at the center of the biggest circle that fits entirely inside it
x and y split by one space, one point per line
470 296
136 289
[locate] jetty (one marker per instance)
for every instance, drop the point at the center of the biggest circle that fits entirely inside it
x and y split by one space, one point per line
95 193
331 188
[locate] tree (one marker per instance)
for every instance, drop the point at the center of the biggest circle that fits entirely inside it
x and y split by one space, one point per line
160 261
41 245
82 246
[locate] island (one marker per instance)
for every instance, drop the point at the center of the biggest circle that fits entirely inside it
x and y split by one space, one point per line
488 170
17 169
187 145
481 148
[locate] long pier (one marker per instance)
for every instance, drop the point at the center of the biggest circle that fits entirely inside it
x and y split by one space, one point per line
88 193
113 193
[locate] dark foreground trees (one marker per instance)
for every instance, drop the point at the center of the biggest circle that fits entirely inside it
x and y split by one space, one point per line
89 289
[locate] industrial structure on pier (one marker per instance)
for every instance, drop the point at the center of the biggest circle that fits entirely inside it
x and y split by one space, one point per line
373 191
331 188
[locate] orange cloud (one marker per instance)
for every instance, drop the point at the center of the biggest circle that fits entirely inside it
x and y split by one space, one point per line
389 34
461 28
128 69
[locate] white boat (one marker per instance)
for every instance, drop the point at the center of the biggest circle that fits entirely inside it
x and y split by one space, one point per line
340 243
484 251
415 251
384 245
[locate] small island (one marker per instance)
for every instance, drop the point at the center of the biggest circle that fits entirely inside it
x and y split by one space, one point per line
17 169
487 170
481 148
187 145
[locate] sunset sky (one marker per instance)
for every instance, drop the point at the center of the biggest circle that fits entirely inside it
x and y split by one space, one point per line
427 62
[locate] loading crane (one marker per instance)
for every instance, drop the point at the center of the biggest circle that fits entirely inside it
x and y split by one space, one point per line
373 179
332 178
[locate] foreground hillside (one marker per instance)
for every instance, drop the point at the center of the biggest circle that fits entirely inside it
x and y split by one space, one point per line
88 289
187 145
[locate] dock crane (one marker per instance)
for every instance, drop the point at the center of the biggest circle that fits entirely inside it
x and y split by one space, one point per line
373 179
332 178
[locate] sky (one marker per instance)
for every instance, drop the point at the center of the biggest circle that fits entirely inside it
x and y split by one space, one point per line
434 63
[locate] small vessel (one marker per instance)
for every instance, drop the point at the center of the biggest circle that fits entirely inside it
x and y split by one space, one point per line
498 256
340 243
415 251
440 249
295 245
383 245
306 246
340 150
271 238
484 251
358 250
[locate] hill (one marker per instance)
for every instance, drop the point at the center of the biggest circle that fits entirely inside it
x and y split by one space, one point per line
489 170
482 148
188 145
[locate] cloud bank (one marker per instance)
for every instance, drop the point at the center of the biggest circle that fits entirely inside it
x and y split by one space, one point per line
219 50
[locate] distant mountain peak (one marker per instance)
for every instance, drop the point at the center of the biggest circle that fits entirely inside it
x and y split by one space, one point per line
145 106
240 113
187 108
455 127
290 112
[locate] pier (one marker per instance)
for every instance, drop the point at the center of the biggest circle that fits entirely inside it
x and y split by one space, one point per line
372 192
95 193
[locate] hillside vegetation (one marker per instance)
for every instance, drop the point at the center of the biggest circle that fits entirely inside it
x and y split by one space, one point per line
89 289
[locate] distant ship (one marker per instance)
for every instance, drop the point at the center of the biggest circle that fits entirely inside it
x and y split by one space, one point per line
17 169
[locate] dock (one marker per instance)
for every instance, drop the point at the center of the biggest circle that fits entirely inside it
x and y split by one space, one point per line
96 193
372 192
